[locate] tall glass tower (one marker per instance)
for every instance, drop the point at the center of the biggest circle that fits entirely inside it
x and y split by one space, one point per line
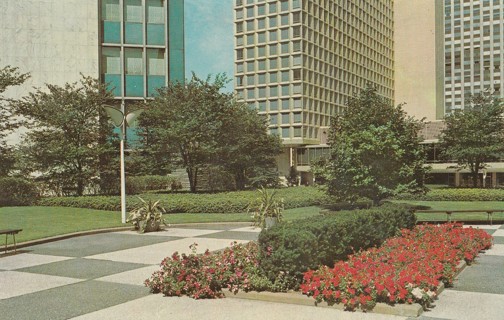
473 50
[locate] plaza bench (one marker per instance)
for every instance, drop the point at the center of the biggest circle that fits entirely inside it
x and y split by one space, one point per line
449 213
12 232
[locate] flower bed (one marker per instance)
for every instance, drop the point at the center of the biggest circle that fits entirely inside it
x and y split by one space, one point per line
404 269
205 275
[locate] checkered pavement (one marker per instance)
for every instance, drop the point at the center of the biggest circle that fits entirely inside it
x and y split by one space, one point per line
101 277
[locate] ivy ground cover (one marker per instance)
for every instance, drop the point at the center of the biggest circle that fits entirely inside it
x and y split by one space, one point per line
405 269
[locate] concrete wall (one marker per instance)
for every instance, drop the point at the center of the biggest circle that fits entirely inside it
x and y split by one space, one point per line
415 56
54 40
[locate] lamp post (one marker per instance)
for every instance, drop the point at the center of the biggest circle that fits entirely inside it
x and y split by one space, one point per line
121 120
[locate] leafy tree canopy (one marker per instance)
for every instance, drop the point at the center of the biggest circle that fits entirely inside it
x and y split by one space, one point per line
475 135
9 76
375 151
68 133
203 126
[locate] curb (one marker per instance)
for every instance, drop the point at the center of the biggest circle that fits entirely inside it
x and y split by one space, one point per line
405 310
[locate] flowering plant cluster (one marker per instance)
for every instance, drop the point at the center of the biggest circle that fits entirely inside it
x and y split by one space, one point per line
404 269
205 275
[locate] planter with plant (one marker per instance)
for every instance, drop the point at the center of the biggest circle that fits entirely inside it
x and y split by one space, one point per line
147 217
266 209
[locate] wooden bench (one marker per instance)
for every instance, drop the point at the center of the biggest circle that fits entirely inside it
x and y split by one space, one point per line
12 232
449 213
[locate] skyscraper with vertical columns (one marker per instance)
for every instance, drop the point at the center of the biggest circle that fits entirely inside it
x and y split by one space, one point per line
473 51
298 62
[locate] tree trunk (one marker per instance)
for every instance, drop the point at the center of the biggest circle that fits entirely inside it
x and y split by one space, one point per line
80 187
192 174
240 180
475 179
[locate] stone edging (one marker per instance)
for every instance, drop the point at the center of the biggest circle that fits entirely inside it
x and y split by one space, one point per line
406 310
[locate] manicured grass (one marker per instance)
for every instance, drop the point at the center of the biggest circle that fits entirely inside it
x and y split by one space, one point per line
42 222
457 205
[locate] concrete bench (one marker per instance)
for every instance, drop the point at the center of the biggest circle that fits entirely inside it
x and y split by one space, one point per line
449 213
12 232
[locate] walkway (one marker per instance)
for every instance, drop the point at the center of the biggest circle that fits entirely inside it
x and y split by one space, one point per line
101 277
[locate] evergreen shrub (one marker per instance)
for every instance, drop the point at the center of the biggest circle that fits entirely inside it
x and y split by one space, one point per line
306 244
456 194
17 192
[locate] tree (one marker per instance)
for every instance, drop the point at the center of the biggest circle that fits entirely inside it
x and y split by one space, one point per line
205 127
9 76
475 135
69 133
245 145
374 151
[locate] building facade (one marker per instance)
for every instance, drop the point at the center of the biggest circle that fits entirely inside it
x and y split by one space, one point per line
418 44
473 51
134 45
298 62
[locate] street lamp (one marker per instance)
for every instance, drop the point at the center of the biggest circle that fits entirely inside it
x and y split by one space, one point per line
121 120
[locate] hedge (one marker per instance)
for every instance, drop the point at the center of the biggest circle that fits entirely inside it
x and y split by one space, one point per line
17 192
457 194
306 244
226 202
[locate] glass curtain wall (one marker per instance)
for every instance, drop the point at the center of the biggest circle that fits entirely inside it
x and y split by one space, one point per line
134 46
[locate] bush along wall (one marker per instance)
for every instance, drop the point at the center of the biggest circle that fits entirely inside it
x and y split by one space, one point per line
224 202
17 192
306 244
456 194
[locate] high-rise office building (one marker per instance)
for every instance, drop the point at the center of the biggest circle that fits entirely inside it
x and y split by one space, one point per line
473 51
298 62
135 45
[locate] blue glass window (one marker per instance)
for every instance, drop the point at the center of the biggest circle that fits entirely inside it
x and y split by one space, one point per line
134 72
111 68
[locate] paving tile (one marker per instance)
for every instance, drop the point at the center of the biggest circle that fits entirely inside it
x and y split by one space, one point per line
496 250
498 240
95 244
234 235
82 268
481 276
16 283
24 260
70 301
247 229
216 226
461 305
133 277
173 232
427 318
499 233
158 307
155 253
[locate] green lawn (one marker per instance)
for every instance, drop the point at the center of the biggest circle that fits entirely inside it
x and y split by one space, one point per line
457 205
42 222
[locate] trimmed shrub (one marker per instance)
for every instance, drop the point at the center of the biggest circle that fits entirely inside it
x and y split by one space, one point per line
140 184
225 202
306 244
457 194
17 192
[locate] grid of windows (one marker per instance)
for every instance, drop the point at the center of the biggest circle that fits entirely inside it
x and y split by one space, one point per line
134 57
473 50
310 57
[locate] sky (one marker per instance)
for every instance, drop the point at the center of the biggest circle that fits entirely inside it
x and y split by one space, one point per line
209 38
